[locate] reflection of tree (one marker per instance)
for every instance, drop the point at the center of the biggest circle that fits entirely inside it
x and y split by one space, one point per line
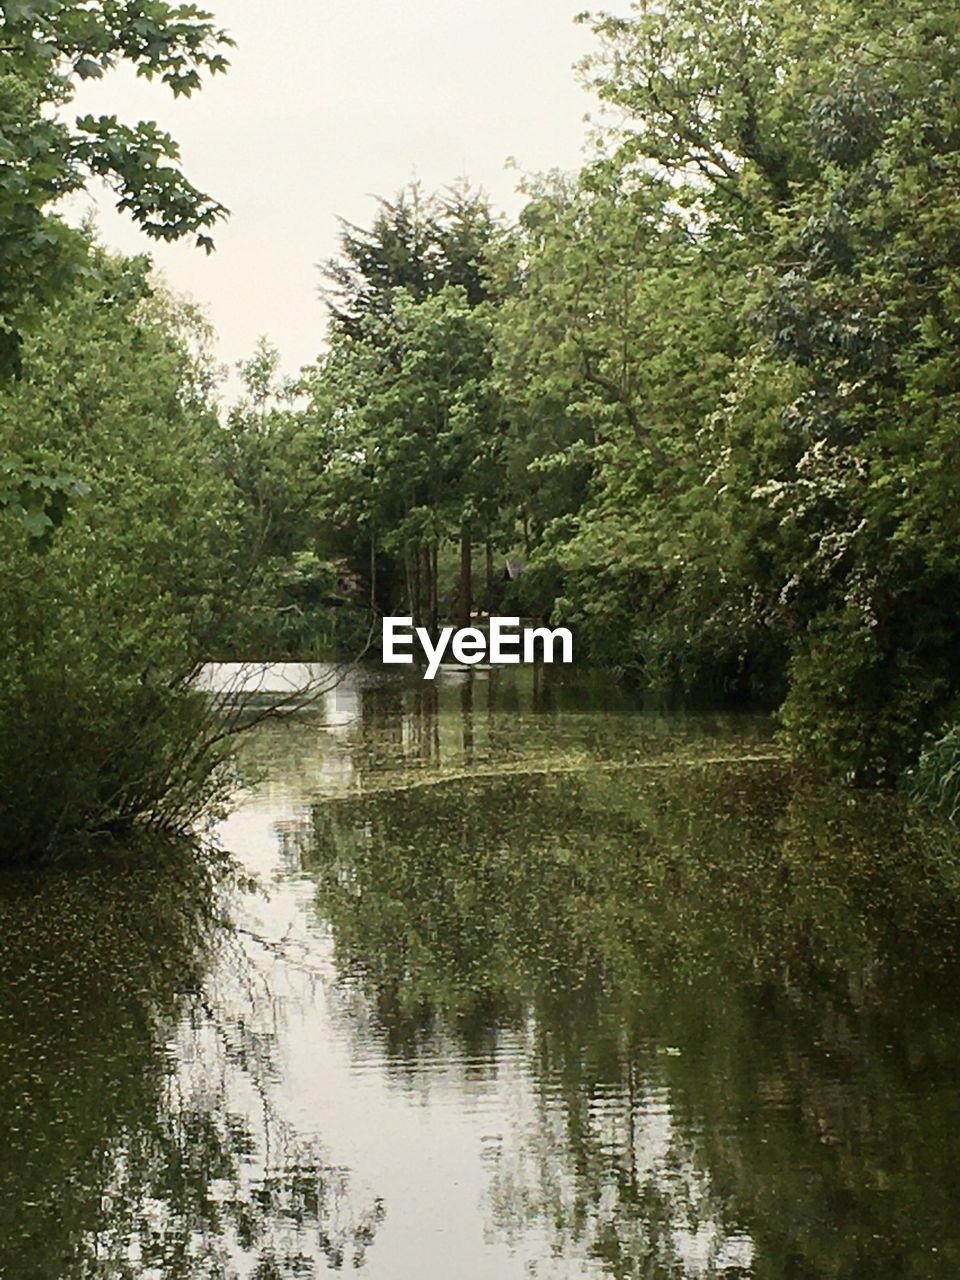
795 944
533 717
132 1147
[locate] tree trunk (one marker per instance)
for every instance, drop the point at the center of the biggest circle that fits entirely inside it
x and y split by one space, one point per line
409 570
434 592
489 593
466 579
417 582
373 571
425 591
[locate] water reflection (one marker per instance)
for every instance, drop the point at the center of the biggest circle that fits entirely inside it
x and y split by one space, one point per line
731 991
536 982
139 1139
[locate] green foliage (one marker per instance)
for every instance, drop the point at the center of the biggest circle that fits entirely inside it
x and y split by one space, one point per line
295 594
100 726
39 498
103 633
731 366
420 419
707 390
417 243
415 425
935 779
46 47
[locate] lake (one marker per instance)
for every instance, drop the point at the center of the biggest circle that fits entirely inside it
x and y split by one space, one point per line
510 975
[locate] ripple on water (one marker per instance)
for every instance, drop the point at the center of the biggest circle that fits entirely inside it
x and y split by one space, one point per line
606 992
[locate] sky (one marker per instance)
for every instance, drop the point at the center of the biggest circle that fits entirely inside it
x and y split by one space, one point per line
328 103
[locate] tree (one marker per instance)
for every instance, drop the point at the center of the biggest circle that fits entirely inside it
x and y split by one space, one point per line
611 357
785 334
291 595
103 634
416 453
46 47
415 420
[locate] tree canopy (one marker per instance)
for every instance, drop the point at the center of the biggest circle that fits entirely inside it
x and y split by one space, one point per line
46 48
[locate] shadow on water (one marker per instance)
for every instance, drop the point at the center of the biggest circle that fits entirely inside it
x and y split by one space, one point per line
138 1134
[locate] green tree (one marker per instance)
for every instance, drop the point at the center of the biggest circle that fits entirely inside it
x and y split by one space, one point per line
784 329
612 356
99 724
292 596
46 47
416 450
416 423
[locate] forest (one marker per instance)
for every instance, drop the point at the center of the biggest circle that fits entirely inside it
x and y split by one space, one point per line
705 391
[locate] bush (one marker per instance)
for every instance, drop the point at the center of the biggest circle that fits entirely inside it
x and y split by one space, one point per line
100 724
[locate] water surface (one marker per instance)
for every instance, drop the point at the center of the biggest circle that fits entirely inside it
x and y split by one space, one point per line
527 979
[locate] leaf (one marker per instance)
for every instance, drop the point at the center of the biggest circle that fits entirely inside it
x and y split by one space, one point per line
87 69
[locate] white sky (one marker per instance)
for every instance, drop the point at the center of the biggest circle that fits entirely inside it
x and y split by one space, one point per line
328 102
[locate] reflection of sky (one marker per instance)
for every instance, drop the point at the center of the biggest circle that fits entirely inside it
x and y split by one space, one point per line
469 1154
415 1140
283 678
